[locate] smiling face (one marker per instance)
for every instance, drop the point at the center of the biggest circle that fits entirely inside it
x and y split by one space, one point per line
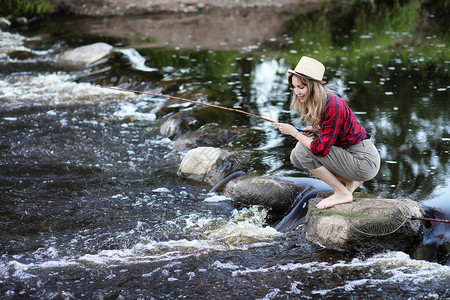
300 88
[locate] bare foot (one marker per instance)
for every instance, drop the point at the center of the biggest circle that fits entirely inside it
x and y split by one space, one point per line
334 200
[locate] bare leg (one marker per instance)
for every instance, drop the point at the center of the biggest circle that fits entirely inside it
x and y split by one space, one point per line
350 184
341 193
353 185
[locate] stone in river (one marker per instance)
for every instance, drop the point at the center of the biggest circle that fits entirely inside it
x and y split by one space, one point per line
84 56
203 164
364 225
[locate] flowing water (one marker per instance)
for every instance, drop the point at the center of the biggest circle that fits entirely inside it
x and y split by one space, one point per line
91 204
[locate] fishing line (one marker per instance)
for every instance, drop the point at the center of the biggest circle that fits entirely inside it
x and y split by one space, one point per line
187 100
102 147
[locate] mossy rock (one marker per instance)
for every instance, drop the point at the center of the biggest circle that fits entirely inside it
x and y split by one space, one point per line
364 225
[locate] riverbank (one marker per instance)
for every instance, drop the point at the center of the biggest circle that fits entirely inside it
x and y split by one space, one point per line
138 7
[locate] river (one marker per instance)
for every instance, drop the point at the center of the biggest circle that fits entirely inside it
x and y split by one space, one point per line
91 203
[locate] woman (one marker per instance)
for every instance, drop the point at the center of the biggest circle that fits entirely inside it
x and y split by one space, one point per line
341 153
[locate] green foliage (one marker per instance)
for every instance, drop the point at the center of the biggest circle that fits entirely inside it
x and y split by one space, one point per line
16 8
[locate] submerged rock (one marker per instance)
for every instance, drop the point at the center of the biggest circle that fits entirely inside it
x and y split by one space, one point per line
364 225
178 124
84 56
21 54
4 22
206 136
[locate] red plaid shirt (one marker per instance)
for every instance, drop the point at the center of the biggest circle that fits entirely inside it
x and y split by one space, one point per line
338 127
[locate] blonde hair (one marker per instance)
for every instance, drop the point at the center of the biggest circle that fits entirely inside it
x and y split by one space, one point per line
310 111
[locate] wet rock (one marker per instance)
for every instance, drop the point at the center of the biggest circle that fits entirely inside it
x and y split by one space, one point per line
170 106
209 136
112 295
204 164
84 56
170 87
20 54
435 246
260 190
21 20
178 124
427 251
337 228
4 22
61 296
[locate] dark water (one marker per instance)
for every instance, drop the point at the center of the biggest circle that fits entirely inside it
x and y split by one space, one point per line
92 207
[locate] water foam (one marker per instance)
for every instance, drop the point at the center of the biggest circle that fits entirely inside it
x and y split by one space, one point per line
394 267
25 271
243 230
129 110
137 60
217 198
55 88
397 266
10 41
149 251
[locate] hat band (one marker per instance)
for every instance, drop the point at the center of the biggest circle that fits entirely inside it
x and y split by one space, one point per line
304 75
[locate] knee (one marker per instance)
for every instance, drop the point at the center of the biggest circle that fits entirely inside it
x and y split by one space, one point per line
295 161
298 155
301 150
368 171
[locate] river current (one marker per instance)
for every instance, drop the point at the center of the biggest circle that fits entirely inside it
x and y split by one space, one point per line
92 206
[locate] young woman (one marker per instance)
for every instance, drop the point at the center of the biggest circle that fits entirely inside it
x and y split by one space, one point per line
333 146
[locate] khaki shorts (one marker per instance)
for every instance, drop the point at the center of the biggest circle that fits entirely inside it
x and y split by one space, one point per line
358 162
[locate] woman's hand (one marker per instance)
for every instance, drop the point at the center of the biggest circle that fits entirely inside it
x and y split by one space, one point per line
291 130
307 133
287 129
312 130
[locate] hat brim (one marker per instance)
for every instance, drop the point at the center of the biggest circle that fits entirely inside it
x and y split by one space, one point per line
303 75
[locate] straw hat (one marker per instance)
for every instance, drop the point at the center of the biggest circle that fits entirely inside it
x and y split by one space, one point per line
309 67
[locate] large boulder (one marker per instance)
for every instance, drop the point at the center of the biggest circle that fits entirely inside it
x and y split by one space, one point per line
84 56
204 164
259 190
364 225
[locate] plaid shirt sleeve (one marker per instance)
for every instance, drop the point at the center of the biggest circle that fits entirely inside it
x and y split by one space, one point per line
339 127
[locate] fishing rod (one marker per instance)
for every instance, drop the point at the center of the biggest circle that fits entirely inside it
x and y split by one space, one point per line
368 217
183 99
429 219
